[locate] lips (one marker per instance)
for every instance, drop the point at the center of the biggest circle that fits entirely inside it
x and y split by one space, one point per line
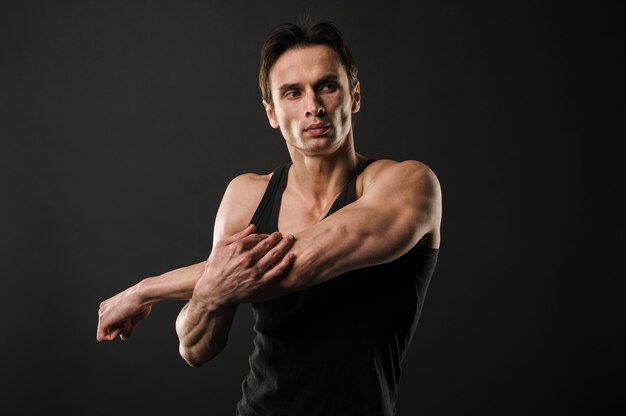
317 129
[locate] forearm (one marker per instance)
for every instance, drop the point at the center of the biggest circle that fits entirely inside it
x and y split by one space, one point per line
347 240
203 330
176 284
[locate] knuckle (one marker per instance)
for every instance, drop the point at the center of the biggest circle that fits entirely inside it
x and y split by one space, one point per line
255 273
246 260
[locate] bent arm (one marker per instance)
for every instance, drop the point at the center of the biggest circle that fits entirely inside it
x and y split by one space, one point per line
203 330
244 260
400 207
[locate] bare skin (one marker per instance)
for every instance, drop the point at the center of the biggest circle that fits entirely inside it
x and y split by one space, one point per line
120 314
398 206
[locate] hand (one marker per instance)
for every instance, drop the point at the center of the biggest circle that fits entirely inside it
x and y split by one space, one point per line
241 265
120 314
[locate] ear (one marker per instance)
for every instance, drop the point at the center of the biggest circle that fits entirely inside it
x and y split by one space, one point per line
356 98
271 115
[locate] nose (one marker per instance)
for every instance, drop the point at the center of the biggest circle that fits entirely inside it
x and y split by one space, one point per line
312 105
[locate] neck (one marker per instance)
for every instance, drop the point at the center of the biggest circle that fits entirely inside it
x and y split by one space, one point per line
319 178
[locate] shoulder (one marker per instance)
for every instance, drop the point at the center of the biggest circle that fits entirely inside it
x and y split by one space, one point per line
241 198
404 174
247 186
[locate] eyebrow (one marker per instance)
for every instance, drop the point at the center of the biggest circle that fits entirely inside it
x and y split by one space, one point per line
324 79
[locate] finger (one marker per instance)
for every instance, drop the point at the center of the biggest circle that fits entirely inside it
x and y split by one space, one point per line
125 331
246 243
278 269
113 334
250 241
102 332
241 234
262 248
276 253
108 335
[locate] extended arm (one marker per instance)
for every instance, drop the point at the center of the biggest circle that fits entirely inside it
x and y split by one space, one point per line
120 314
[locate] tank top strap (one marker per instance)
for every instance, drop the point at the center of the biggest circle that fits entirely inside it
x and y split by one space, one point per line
351 185
265 217
348 193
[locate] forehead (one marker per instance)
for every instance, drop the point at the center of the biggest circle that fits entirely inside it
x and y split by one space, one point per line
308 64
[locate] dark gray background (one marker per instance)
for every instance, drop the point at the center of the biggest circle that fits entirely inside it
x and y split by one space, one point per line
121 123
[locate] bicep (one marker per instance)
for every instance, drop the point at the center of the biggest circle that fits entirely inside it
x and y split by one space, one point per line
237 206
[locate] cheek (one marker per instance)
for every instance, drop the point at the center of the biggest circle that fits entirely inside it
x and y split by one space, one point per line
343 108
344 114
286 113
287 124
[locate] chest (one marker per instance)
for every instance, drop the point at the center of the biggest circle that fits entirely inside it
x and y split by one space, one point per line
296 214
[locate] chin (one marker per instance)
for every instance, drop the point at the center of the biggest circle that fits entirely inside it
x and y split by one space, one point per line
321 147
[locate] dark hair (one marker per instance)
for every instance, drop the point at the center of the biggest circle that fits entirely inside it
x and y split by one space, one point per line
290 35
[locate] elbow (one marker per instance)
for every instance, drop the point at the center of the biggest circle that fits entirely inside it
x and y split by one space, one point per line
190 358
196 357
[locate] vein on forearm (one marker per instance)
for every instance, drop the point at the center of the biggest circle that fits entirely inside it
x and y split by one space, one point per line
203 330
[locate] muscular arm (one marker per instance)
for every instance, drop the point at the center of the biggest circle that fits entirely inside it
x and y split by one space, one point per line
238 265
400 206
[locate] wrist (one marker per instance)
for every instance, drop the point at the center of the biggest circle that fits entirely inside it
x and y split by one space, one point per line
204 305
143 291
207 293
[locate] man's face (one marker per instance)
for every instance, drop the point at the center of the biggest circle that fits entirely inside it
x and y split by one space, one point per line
312 101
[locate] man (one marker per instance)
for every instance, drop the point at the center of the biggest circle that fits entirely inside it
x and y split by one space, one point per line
334 250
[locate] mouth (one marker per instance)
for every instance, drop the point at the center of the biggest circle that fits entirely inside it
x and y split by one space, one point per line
317 129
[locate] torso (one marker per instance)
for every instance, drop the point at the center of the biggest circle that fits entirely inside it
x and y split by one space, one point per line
323 335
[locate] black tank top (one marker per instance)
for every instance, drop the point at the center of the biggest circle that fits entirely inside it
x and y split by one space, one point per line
335 348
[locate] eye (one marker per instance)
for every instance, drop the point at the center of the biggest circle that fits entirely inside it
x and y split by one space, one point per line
329 86
292 94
